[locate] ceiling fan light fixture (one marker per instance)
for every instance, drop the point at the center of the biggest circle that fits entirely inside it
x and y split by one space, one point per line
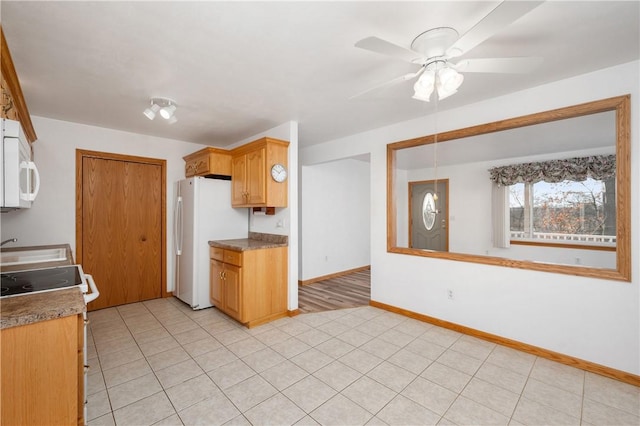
448 81
423 88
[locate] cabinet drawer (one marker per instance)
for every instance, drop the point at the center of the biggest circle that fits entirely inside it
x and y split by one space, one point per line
233 257
216 253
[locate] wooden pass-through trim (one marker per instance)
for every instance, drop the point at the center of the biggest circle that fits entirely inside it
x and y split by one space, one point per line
621 105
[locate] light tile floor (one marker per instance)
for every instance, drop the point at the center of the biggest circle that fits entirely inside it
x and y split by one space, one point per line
159 362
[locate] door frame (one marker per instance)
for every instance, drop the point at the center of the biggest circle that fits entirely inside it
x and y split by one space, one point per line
446 206
81 154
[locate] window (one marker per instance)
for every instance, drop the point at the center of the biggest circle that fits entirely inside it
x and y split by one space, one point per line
575 212
569 201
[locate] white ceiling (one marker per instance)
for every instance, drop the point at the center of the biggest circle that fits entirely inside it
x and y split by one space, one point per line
239 68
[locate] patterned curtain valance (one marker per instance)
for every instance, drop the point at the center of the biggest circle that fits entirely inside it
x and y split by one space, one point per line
578 169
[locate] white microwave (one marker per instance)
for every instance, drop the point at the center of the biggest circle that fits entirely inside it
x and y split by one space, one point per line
20 178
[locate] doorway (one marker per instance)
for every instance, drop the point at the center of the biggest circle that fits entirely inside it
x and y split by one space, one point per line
428 215
121 226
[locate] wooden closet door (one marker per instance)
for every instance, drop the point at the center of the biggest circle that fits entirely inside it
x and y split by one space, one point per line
122 229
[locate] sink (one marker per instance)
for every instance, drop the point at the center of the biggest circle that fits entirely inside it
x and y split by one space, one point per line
22 257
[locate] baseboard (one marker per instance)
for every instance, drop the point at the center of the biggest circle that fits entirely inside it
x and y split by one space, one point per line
334 275
514 344
293 313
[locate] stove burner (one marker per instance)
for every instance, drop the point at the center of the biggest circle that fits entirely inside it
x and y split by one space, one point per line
35 280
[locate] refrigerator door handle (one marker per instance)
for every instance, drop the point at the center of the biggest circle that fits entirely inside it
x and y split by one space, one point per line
177 226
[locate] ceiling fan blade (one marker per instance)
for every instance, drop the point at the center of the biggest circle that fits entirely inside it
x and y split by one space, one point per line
384 47
499 65
503 15
397 80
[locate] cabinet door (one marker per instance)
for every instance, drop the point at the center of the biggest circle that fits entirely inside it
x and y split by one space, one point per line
215 283
238 180
39 373
233 291
256 176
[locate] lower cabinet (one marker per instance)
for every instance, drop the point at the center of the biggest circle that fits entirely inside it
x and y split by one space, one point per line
249 286
42 375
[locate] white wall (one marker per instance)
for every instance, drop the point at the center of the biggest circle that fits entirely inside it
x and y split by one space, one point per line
335 217
592 319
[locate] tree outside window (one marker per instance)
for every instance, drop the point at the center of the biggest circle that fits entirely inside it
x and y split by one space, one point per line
570 208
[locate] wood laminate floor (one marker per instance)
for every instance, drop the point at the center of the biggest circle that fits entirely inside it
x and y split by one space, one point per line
347 291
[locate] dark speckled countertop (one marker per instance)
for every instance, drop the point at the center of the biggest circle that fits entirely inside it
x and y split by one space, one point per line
256 241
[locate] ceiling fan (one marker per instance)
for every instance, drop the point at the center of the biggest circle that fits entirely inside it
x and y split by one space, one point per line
435 49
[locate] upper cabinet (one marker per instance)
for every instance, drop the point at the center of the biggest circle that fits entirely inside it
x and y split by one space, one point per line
258 174
210 162
13 105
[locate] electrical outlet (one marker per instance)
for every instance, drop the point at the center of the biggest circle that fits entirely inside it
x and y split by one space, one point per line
450 294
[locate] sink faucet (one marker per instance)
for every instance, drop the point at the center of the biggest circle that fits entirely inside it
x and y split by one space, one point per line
10 240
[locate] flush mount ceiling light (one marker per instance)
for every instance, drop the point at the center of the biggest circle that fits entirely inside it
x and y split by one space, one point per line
437 75
166 108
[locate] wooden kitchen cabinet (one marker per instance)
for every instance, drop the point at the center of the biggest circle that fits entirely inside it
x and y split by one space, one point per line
250 286
12 100
251 182
209 161
42 373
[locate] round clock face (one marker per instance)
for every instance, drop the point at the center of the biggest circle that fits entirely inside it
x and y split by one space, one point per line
279 173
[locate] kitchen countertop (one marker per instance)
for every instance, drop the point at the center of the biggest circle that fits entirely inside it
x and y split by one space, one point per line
31 308
256 241
27 309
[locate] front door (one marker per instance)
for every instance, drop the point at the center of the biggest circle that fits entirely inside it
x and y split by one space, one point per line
121 220
428 221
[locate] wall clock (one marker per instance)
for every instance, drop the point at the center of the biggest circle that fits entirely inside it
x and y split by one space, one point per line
279 173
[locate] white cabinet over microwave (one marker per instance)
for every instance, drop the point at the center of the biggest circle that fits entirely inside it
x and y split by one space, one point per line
20 178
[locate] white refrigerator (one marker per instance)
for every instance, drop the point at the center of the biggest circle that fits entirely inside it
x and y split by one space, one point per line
202 212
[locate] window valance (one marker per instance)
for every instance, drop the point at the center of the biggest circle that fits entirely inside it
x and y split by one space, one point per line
578 169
